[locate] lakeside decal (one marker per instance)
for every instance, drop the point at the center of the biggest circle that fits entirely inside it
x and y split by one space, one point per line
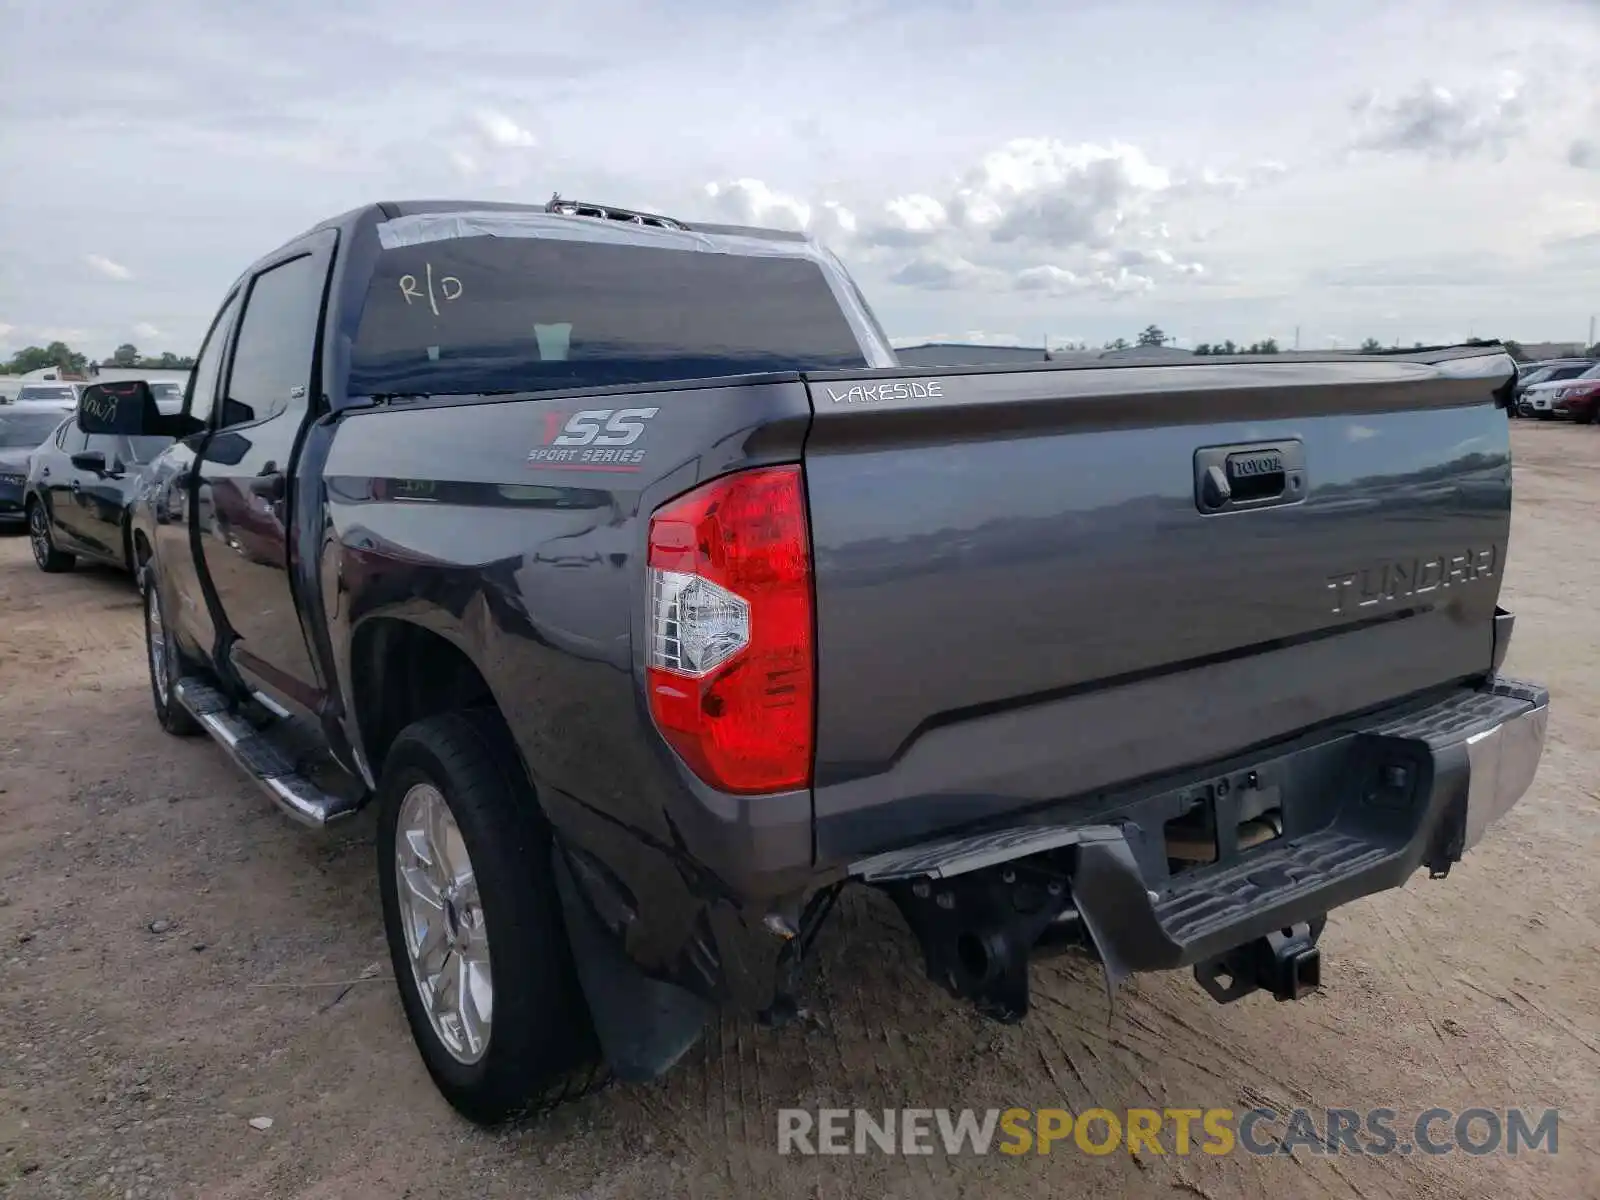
900 389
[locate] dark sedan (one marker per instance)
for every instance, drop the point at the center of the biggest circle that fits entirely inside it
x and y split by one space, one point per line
23 429
78 490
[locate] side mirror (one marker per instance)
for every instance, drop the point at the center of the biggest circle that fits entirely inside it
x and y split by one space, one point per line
126 408
90 460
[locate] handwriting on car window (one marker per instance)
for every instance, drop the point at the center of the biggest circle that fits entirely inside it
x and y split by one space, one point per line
449 286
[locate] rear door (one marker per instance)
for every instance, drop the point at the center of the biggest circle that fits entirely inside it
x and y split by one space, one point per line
174 486
57 479
244 488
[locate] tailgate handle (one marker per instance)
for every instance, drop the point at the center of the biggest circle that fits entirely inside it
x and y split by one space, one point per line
1259 475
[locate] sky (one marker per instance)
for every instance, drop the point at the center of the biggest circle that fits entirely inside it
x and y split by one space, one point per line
1410 170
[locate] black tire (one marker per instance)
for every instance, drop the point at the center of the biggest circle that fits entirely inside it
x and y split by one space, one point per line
174 718
1586 417
541 1048
45 555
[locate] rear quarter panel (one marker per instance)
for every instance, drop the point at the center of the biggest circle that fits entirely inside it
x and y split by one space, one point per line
536 569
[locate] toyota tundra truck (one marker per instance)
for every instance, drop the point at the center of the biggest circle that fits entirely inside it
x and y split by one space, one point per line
617 563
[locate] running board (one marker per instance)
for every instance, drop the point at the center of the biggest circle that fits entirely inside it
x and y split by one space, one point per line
258 756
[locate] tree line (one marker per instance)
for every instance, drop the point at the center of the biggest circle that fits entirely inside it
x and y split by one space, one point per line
1154 335
64 358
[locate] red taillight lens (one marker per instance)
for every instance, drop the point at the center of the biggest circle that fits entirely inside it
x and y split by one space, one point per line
731 666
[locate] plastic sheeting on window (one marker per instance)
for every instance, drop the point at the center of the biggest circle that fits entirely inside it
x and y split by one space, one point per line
416 229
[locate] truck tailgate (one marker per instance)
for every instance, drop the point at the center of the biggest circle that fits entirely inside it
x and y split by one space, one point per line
1032 584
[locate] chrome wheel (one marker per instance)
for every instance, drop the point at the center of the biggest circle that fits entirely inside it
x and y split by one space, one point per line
442 917
156 634
39 534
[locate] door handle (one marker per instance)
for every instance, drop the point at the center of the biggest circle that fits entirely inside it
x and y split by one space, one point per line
1240 478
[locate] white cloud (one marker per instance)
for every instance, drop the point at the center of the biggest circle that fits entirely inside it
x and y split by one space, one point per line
752 202
108 267
1584 153
1436 121
6 330
1033 216
502 132
148 331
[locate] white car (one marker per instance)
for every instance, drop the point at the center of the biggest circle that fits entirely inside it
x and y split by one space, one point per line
1543 400
168 395
48 393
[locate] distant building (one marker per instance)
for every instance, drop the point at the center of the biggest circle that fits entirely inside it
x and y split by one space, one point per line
967 354
1151 352
1533 351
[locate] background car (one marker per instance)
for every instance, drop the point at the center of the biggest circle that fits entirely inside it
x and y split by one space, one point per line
168 394
78 490
1532 383
24 427
47 393
1576 397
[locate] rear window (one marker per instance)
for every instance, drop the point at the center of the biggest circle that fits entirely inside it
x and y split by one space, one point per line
486 314
26 431
35 391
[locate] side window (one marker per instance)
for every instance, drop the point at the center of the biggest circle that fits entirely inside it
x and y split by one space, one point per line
108 444
72 439
277 340
203 383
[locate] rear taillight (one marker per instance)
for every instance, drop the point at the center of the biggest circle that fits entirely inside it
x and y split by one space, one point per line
731 666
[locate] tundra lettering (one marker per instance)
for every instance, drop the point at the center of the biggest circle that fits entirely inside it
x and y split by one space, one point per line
1387 582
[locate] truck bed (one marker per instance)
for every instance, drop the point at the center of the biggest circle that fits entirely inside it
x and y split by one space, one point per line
1025 592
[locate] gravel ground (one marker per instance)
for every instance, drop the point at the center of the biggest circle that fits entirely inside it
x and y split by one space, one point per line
179 966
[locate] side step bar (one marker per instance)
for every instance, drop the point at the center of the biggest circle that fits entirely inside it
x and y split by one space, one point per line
259 756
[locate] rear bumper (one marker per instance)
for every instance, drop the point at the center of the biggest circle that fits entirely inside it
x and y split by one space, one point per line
1362 809
1363 804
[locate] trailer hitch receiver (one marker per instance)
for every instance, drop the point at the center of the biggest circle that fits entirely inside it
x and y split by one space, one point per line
1285 963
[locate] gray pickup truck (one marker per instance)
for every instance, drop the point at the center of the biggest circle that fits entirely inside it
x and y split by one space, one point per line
615 560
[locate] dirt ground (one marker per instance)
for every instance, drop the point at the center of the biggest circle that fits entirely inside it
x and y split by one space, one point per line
177 959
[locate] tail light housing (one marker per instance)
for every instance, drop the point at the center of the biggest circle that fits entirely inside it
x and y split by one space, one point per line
732 667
